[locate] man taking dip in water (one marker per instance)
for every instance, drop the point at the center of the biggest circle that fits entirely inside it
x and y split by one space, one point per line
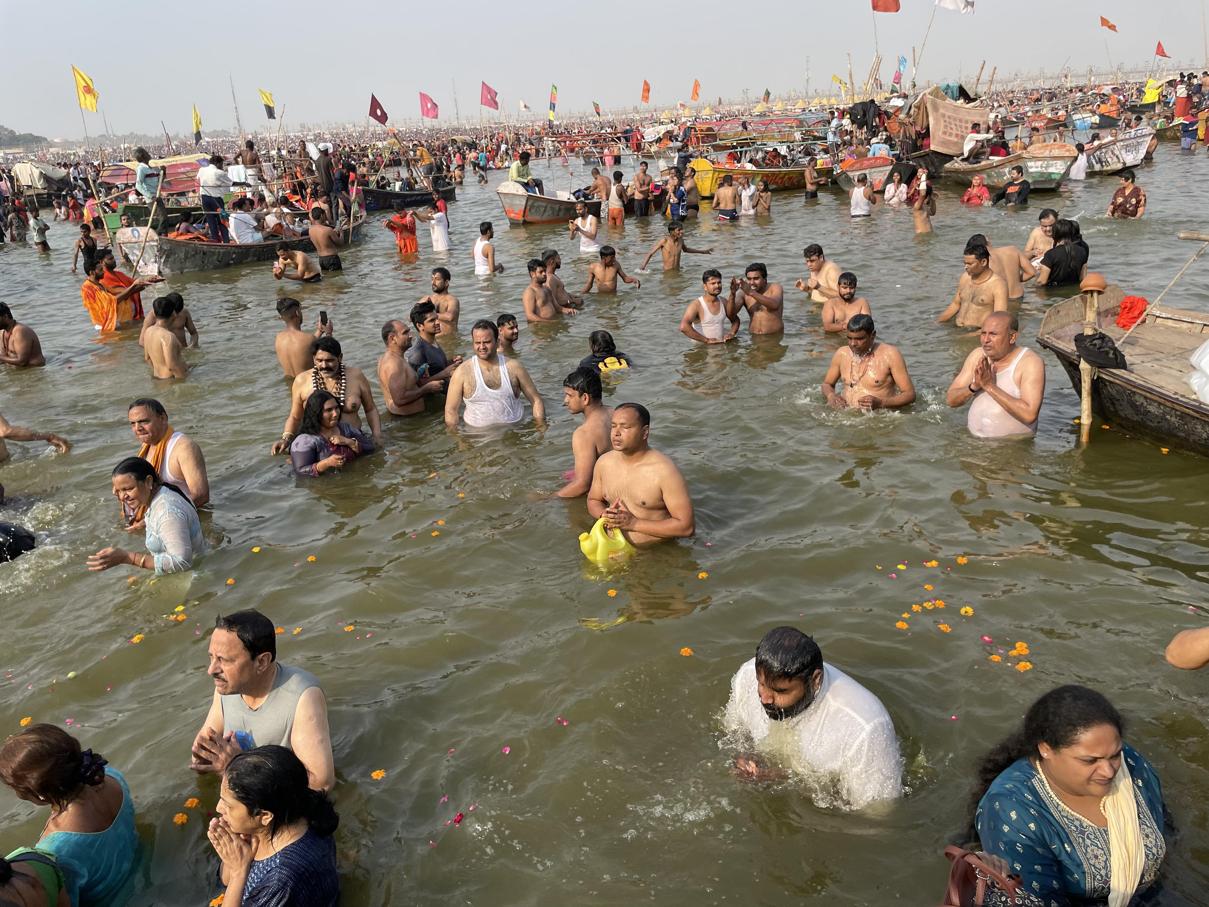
822 283
484 252
605 272
1006 383
874 373
980 291
177 458
160 346
726 200
449 309
553 261
582 393
763 301
293 264
641 187
705 318
837 312
345 383
326 240
638 489
1007 262
537 298
292 344
19 345
401 389
490 385
510 332
180 323
672 246
1041 239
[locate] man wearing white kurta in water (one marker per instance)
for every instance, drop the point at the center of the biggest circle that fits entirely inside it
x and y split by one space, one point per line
814 719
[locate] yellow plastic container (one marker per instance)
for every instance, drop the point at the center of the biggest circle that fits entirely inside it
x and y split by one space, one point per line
602 545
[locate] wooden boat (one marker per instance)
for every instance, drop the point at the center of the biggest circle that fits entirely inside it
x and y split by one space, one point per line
521 207
1128 149
178 256
932 161
876 168
1045 167
1092 120
386 199
166 217
780 179
1152 394
1169 133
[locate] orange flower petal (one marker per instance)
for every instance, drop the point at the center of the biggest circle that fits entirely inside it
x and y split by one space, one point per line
310 558
137 638
192 803
945 628
25 722
1024 666
927 587
996 658
612 593
962 559
703 575
231 581
180 819
686 652
902 625
349 628
378 774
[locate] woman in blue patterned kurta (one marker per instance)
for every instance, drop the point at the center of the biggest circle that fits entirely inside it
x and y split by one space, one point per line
1046 797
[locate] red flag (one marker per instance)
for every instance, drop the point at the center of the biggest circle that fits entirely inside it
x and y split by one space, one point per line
428 107
487 97
646 92
885 6
1104 23
696 90
376 110
1159 52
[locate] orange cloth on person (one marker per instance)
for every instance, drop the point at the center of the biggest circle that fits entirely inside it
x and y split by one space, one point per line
404 228
103 307
155 454
116 280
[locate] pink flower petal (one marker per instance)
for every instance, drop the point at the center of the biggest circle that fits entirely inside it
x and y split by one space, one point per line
445 798
457 820
506 750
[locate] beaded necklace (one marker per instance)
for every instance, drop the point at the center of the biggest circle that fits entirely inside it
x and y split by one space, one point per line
319 383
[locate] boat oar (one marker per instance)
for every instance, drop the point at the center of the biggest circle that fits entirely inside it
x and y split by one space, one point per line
150 218
1183 234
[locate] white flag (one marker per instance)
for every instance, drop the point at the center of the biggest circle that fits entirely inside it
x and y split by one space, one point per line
958 6
522 105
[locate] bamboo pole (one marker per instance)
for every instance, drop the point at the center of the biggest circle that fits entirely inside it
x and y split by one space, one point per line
97 195
150 218
851 82
978 78
991 80
1087 372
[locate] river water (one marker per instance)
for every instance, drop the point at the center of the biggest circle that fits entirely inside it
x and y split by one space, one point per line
438 651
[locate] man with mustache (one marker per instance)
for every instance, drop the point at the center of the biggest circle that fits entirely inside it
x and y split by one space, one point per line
817 719
349 385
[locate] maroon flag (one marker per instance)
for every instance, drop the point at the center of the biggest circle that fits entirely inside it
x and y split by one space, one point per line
487 97
376 110
428 107
1159 52
885 6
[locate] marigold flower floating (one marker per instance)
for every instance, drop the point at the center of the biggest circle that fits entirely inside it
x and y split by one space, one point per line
310 558
231 581
440 522
962 559
902 625
901 566
612 593
192 803
940 602
929 605
26 721
917 608
906 615
256 549
1023 666
703 575
686 652
928 587
349 628
944 628
378 774
931 563
996 658
1165 450
435 533
137 638
179 608
966 611
297 630
180 819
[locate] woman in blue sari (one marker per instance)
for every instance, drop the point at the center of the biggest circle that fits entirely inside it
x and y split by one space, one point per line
1071 808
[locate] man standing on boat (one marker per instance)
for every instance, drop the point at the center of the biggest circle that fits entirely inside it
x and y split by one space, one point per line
1129 201
1005 381
214 184
519 173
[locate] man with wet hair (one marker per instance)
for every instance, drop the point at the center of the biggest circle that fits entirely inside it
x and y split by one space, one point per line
874 373
1005 381
292 343
822 282
19 345
509 331
490 385
537 299
837 727
425 355
553 261
1009 263
603 274
582 392
764 301
980 291
838 311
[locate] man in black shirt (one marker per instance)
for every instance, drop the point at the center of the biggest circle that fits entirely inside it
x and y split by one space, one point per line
1015 191
428 359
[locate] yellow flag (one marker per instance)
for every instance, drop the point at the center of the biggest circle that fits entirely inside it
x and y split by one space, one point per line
837 80
270 108
196 126
86 94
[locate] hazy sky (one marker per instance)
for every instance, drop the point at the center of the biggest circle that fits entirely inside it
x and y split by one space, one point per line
156 59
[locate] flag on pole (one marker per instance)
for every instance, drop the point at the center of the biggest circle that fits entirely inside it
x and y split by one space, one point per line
270 108
1104 23
767 95
898 73
885 6
646 92
487 97
596 107
958 6
696 90
86 92
376 110
428 107
1159 52
838 81
196 127
553 101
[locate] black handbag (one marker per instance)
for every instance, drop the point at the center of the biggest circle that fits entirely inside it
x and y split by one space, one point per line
1099 350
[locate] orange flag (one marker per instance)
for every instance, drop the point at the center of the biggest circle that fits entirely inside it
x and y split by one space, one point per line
696 90
1104 23
646 92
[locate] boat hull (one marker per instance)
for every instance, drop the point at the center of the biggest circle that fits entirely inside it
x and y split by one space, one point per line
530 208
876 168
175 256
1127 150
781 179
1043 173
386 199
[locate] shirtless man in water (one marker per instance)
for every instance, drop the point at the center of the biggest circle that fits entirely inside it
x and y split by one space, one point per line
1009 263
537 299
19 345
839 311
726 199
763 301
1005 381
160 346
604 273
401 389
672 246
822 283
449 308
294 264
345 383
637 489
326 240
292 343
582 394
180 323
553 261
640 187
980 291
874 373
1041 239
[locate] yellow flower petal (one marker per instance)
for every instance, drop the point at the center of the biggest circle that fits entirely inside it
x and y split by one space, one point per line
435 533
1023 666
944 628
902 625
256 549
440 522
928 587
297 630
180 818
192 803
137 638
349 628
230 581
686 651
917 608
962 559
25 722
967 611
703 575
310 558
612 593
179 608
378 774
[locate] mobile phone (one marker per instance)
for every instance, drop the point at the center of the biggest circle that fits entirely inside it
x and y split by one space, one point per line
322 317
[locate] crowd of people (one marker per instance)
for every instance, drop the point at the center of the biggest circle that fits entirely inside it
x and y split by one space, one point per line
1064 803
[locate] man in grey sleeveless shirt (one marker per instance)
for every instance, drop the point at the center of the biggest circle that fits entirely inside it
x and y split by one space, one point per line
258 701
